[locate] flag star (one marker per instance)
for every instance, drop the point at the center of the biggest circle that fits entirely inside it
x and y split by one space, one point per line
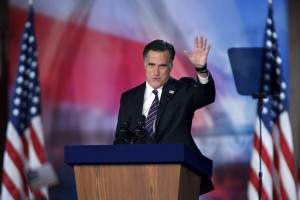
282 96
33 110
275 35
283 85
21 68
22 58
31 39
266 100
278 60
35 99
15 112
268 66
29 49
269 21
30 85
20 79
267 77
24 46
280 107
273 114
32 75
28 24
17 101
33 64
37 89
269 32
18 90
264 111
30 96
277 71
269 43
266 88
28 60
25 35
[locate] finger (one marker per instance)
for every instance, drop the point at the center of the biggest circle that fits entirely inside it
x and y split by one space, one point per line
208 48
204 42
196 42
187 53
201 42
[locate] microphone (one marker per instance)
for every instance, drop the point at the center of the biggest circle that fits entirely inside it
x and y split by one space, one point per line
123 136
139 129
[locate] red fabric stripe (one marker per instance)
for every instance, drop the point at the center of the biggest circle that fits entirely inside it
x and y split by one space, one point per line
255 181
287 154
265 157
10 186
284 195
39 195
276 159
276 194
38 148
13 154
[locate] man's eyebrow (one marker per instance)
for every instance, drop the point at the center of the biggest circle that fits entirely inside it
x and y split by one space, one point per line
163 65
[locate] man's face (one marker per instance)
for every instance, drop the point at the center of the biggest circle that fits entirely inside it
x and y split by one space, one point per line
157 68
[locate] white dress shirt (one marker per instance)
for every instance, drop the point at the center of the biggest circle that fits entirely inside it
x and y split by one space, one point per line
149 96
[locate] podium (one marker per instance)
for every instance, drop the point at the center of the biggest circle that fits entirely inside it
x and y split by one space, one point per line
140 171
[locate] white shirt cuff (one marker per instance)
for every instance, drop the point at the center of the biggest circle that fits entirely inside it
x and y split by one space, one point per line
203 80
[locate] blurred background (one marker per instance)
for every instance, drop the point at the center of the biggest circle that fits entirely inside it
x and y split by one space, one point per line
89 52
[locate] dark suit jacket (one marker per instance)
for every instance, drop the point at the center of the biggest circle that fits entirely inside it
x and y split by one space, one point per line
178 102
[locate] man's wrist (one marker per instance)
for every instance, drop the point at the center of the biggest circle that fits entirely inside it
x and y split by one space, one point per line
202 70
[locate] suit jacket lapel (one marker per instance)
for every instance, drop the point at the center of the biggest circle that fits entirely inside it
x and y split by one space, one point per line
168 92
138 101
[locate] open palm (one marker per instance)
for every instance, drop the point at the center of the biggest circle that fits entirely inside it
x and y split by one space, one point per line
199 56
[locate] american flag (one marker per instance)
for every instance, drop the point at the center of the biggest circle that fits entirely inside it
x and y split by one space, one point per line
277 164
24 148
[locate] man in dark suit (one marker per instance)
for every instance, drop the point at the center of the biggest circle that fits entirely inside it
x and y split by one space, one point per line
176 100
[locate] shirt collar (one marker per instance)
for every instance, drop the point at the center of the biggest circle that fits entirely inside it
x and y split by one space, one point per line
149 90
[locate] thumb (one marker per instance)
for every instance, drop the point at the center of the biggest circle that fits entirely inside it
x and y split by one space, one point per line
187 53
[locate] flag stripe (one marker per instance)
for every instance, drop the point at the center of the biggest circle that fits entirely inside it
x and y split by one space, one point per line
265 156
14 192
36 145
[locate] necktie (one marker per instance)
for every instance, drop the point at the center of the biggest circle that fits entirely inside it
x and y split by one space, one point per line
152 114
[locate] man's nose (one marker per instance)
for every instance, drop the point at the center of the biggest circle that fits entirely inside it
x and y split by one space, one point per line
156 70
